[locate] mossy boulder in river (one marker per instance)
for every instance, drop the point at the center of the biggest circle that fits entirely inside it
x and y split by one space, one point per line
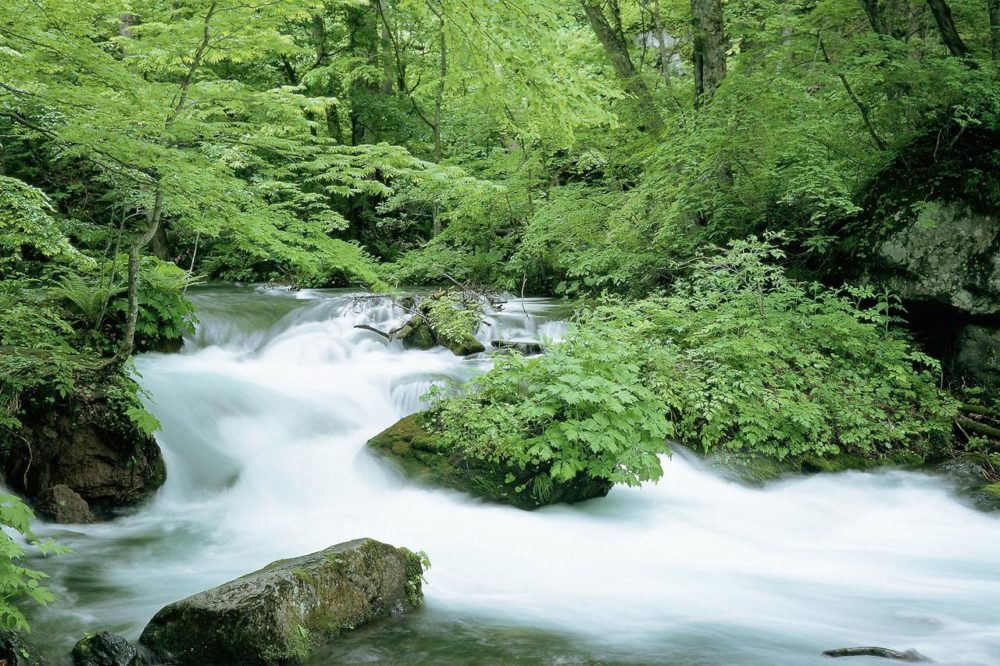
279 614
416 451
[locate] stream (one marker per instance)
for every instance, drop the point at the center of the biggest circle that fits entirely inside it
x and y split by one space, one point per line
265 414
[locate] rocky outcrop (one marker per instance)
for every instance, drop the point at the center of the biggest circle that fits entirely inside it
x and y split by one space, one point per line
62 504
279 614
977 354
15 651
105 649
92 449
949 254
417 453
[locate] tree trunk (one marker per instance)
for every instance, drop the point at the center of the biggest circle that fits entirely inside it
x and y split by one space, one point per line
946 26
661 43
617 52
709 48
161 245
439 94
994 8
134 256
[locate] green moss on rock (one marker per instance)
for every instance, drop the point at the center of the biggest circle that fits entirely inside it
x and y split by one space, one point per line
279 614
416 451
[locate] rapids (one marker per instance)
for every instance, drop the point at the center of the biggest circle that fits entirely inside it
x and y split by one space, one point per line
265 414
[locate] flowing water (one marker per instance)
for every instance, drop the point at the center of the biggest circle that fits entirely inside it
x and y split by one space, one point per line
265 414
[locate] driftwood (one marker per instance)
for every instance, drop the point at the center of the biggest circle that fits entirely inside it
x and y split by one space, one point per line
885 653
366 327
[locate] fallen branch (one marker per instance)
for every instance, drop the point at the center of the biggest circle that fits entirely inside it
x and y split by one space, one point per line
366 327
978 427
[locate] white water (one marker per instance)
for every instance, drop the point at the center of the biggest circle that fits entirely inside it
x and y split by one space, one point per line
265 415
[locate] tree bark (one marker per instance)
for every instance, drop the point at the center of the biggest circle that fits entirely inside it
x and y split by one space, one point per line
994 9
946 26
709 48
661 42
617 52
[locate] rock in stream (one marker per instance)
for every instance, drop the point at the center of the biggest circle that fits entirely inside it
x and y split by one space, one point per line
279 614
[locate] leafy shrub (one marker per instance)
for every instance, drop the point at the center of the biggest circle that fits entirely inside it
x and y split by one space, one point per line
17 582
584 407
739 357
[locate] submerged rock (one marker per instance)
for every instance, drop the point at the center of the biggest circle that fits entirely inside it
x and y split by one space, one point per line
91 448
279 614
105 649
418 454
871 651
62 504
15 651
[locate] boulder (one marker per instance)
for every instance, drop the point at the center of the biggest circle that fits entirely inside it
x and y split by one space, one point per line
62 504
91 447
977 356
417 453
15 651
279 614
948 254
105 649
417 333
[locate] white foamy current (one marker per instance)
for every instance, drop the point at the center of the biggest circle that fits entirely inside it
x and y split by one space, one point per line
265 415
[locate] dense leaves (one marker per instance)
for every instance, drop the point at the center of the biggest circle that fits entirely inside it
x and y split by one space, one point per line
739 356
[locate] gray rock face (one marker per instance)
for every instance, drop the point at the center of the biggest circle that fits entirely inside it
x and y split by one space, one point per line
978 353
279 614
949 255
105 649
62 504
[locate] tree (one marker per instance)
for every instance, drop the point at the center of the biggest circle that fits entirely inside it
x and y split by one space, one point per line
616 48
709 48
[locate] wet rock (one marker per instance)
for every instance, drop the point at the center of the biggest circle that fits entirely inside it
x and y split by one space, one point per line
90 446
869 651
105 649
279 614
416 334
62 504
526 347
417 453
15 651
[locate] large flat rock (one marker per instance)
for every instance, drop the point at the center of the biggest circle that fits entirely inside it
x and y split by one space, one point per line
279 614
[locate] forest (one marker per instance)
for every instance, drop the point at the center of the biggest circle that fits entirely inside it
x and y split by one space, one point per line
608 239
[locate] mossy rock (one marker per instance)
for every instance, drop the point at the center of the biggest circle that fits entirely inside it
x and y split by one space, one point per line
15 651
279 614
105 649
756 468
416 451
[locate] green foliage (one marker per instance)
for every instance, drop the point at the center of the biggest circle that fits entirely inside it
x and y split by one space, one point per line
585 407
19 584
740 357
453 315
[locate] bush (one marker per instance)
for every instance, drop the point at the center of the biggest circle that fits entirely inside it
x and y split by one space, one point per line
739 357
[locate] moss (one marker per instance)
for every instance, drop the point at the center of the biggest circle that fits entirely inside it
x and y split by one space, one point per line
420 456
993 489
754 468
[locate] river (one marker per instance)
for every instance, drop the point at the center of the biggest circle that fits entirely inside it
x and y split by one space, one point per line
265 414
